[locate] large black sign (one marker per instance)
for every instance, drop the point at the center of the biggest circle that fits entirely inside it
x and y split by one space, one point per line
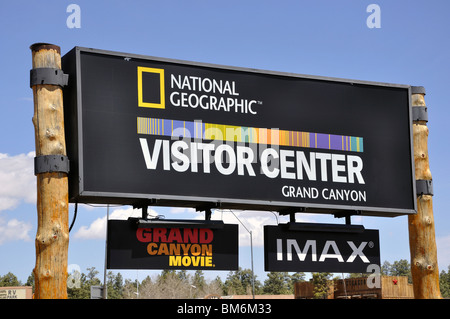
188 134
175 247
287 249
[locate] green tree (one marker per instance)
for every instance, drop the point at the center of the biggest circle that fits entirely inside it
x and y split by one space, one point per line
401 268
114 284
9 280
444 283
82 287
91 276
218 281
165 273
277 283
386 268
146 280
30 281
321 281
295 277
199 280
183 275
233 284
130 289
239 282
398 268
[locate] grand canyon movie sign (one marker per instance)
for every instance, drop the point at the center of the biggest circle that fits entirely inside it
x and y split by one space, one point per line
180 246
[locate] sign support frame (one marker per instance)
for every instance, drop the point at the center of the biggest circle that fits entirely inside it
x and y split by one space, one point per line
52 237
422 239
120 196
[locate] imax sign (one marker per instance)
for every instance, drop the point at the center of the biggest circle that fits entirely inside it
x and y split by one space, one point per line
322 251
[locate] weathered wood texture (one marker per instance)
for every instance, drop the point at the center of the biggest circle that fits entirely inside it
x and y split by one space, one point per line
396 287
52 237
422 241
391 287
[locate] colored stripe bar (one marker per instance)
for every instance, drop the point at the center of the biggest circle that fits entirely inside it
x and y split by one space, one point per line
231 133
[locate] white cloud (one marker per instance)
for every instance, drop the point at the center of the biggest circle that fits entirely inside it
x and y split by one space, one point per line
17 180
97 229
182 210
14 230
17 184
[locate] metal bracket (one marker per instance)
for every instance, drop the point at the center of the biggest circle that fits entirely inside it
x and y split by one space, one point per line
419 113
49 76
207 209
418 90
144 204
291 212
51 164
424 187
347 214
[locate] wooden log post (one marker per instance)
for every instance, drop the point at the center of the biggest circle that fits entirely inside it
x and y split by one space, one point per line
422 242
52 237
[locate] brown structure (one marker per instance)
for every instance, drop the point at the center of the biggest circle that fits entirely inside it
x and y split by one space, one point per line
22 292
392 287
52 237
422 241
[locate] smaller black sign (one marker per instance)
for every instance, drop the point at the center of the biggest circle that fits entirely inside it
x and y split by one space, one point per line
181 247
286 249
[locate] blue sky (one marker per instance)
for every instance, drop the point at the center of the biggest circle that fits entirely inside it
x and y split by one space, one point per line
324 38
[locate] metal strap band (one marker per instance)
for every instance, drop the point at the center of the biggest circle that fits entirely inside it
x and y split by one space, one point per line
49 76
51 164
419 113
417 90
424 187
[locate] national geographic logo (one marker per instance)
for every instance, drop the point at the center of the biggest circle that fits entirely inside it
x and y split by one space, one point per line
189 91
153 80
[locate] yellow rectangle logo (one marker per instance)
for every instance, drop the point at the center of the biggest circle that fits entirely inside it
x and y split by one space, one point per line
141 102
